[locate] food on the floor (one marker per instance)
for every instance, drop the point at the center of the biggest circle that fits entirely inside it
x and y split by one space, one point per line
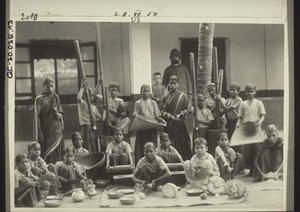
78 195
216 185
203 196
235 189
170 190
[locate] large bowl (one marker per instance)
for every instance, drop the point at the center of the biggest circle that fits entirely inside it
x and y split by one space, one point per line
115 194
128 199
52 203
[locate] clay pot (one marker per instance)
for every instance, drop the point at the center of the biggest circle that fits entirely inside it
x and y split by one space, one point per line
78 195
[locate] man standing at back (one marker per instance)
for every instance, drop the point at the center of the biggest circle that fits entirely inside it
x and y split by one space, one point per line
176 68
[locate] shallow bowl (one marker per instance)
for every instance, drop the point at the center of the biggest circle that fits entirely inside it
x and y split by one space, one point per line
128 200
52 203
115 194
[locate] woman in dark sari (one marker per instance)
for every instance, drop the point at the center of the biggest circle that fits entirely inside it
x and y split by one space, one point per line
48 123
175 108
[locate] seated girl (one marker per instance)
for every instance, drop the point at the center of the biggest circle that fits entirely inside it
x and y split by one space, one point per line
39 167
151 169
27 185
118 152
202 165
168 153
77 148
70 173
229 162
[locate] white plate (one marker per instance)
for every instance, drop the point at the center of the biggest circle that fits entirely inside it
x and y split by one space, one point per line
127 191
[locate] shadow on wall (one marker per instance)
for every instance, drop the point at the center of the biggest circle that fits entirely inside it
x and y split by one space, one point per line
24 118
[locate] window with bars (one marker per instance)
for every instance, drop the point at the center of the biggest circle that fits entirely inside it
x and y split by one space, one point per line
57 59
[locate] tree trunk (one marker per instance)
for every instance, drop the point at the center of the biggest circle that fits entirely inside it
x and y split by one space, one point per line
204 65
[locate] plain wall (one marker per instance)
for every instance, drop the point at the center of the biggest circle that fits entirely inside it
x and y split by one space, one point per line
256 50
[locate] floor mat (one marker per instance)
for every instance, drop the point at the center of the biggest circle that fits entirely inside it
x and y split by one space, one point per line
156 199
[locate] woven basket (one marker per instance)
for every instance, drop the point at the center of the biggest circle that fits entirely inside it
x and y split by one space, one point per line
144 123
92 160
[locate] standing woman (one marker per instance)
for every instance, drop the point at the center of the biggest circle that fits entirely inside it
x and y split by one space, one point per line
175 108
48 123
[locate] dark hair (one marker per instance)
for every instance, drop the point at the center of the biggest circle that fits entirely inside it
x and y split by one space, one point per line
211 85
47 81
235 85
175 52
114 85
164 136
122 108
250 86
199 141
20 157
148 145
222 134
156 73
31 145
118 130
75 136
174 78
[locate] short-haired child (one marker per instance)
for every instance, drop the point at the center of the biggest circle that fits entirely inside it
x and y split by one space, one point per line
231 107
70 173
114 102
269 155
204 118
27 191
158 90
151 169
168 153
202 165
123 122
210 103
89 118
148 108
252 110
78 150
118 152
229 162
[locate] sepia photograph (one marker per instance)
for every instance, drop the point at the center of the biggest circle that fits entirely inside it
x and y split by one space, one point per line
154 115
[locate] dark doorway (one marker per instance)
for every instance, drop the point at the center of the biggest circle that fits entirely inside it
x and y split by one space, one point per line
191 45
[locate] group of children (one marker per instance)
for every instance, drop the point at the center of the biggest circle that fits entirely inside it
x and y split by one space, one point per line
150 158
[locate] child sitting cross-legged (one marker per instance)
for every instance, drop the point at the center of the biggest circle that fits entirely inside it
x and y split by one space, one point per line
168 153
39 167
118 152
27 185
229 162
202 165
70 173
151 170
78 150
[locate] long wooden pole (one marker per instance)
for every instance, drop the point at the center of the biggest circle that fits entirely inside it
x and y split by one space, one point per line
82 73
216 80
100 66
192 65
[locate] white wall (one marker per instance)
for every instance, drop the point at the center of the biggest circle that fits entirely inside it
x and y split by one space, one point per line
247 50
256 51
